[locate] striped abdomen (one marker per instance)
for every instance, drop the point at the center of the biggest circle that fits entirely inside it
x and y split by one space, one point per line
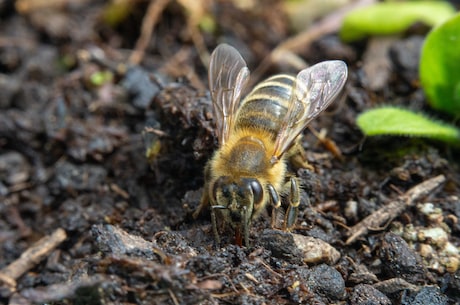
266 105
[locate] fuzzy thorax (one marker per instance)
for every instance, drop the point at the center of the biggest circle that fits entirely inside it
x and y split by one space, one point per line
247 154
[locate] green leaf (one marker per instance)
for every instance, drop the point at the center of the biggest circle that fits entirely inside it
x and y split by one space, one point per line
393 17
440 66
402 122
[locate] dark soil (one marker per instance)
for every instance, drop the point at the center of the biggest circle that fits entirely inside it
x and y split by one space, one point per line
73 157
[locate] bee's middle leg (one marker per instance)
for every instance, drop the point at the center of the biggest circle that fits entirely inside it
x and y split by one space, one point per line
276 203
298 157
294 202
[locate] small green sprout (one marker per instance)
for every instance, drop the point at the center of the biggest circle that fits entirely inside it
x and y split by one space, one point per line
101 77
116 12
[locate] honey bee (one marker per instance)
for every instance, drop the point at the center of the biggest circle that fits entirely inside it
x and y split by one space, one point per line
257 137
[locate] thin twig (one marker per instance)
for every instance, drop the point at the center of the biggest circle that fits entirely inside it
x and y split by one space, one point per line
394 208
173 297
220 275
156 7
31 257
30 6
301 41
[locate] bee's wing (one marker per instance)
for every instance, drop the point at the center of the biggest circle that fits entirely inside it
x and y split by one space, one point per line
228 75
314 90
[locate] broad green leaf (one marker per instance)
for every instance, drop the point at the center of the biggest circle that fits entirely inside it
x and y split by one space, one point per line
402 122
393 17
440 66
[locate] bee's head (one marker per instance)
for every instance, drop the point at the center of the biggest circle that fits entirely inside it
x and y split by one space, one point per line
236 198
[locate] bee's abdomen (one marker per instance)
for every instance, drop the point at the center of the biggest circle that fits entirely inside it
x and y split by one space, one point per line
266 105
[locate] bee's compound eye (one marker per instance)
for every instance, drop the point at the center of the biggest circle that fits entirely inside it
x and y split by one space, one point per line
220 184
257 190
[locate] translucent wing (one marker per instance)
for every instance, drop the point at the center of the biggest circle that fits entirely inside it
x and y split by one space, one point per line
314 90
228 75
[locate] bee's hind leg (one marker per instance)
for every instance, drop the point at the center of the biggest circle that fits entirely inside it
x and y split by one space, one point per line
294 201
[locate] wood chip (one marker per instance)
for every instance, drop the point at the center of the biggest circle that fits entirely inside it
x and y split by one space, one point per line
394 208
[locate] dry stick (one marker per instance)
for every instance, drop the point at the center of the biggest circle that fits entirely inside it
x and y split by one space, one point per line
394 208
30 6
301 41
31 257
150 19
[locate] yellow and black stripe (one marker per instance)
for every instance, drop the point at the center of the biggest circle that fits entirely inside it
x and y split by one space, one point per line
265 107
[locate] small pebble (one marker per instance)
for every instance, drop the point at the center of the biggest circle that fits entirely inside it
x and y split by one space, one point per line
399 259
298 248
327 281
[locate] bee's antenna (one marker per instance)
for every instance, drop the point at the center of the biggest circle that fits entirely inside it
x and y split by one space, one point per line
219 207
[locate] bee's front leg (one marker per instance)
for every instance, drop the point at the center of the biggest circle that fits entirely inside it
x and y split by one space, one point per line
246 225
294 201
214 226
